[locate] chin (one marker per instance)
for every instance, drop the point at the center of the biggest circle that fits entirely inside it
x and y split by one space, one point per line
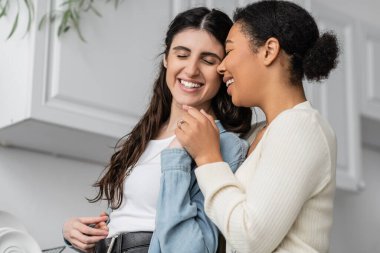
235 102
187 102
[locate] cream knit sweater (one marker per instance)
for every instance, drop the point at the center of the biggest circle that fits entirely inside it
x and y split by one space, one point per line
281 197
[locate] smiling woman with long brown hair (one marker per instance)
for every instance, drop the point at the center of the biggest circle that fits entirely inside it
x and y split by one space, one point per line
156 202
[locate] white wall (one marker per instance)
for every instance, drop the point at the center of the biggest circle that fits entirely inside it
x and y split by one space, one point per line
356 226
366 10
43 191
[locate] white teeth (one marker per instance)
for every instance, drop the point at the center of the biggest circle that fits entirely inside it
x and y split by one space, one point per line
190 84
229 82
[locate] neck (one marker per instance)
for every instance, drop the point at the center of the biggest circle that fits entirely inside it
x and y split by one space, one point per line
282 99
176 114
280 93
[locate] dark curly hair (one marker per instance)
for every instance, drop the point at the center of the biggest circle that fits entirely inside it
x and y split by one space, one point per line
312 56
129 150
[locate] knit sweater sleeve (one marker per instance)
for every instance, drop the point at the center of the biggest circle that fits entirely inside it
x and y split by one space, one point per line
293 165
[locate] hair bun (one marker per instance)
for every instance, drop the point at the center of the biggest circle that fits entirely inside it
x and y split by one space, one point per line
321 58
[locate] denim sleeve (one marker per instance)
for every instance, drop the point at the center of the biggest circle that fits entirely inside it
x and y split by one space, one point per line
181 222
233 149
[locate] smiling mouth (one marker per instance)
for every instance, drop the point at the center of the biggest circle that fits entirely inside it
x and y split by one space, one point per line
229 82
190 85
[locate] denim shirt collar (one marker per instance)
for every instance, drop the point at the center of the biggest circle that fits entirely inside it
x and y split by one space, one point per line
220 126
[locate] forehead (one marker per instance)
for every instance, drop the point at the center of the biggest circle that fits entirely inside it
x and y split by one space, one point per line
236 32
198 40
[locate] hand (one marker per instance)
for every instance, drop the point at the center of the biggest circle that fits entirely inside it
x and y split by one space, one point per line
83 237
199 135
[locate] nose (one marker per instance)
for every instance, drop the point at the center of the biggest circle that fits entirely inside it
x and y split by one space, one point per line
221 68
192 68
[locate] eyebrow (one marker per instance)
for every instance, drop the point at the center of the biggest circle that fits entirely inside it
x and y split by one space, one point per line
202 54
228 41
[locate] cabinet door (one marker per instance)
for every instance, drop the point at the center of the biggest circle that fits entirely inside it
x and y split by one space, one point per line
370 89
66 97
102 85
337 98
370 36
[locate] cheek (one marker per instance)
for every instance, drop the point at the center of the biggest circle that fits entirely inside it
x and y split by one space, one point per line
171 72
215 81
211 73
170 79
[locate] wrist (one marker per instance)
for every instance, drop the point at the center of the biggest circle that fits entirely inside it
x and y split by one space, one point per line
202 160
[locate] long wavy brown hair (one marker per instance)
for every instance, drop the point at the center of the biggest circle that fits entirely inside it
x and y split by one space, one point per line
129 149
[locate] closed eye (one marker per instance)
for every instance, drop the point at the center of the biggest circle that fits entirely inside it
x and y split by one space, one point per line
208 62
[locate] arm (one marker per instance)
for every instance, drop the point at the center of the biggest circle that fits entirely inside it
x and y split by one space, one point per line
294 165
181 224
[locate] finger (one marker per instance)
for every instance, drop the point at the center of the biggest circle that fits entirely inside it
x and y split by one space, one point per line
210 118
186 107
102 225
203 118
186 122
193 112
180 135
189 119
196 114
92 220
103 214
83 246
87 239
84 229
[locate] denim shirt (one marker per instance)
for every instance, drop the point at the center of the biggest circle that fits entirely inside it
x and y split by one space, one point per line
181 222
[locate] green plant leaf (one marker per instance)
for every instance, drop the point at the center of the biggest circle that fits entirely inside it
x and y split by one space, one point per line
75 20
15 23
4 10
69 14
30 8
42 21
116 4
97 13
64 22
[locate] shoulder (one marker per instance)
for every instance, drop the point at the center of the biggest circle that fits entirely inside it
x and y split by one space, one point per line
303 119
304 132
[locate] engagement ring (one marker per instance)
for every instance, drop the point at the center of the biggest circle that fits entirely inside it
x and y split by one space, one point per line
179 123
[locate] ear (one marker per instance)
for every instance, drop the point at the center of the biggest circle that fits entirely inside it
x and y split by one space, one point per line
165 62
271 50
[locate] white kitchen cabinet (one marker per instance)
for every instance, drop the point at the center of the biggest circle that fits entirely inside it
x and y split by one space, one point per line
63 96
370 88
337 98
370 53
67 97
